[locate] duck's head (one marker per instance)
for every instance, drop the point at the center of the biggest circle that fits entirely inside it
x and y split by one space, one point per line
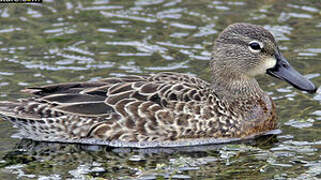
250 50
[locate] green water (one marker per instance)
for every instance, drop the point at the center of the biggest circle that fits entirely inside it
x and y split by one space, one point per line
62 41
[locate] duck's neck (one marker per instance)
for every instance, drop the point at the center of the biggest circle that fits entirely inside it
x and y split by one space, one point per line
233 85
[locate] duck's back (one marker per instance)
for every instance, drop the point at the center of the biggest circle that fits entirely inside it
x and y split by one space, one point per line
157 108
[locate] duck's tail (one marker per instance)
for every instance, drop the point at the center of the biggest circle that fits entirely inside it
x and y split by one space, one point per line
28 125
8 111
34 123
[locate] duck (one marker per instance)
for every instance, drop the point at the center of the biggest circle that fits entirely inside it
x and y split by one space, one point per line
165 109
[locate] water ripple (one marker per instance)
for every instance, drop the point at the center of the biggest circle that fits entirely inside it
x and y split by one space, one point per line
130 17
183 26
148 2
10 30
90 40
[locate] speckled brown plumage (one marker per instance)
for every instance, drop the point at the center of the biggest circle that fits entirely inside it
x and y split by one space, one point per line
146 111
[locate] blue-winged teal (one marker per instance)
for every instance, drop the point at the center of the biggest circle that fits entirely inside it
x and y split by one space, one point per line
165 109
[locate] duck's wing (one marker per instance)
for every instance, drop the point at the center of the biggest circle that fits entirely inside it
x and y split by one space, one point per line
100 98
89 109
76 98
80 87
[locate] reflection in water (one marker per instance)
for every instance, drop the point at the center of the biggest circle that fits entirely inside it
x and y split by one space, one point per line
92 161
83 40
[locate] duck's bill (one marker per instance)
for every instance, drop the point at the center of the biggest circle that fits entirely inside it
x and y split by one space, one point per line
283 70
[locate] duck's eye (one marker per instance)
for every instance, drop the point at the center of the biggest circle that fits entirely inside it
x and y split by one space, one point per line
255 46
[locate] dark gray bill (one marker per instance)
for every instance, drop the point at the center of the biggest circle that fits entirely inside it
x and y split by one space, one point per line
283 70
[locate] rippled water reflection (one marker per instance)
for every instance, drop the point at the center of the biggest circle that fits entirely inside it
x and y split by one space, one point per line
60 41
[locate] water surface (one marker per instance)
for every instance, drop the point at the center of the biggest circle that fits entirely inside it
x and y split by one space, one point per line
62 41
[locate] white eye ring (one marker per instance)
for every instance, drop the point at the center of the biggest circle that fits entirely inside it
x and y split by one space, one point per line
255 46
